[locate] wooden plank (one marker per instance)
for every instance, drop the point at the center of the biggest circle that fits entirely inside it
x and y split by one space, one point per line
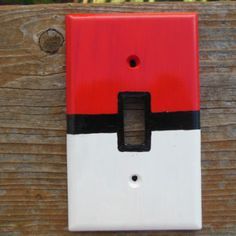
33 197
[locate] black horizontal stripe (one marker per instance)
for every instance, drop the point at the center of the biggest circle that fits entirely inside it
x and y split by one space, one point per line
111 123
185 120
86 124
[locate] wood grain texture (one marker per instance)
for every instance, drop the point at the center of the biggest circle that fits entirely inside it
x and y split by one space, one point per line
33 183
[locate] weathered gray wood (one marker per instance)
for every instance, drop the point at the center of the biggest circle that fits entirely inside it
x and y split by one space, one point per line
33 198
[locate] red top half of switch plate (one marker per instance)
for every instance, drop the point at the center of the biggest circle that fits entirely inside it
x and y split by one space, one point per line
98 48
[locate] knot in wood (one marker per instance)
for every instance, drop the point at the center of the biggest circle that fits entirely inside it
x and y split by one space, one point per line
50 41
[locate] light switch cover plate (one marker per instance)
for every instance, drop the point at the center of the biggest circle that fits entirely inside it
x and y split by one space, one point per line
111 185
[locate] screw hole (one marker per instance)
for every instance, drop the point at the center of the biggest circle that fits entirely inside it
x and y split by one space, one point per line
134 178
133 61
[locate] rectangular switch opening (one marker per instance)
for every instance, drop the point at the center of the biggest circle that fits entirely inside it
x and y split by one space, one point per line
134 132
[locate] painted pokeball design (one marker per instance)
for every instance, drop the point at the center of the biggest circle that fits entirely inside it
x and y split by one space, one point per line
114 61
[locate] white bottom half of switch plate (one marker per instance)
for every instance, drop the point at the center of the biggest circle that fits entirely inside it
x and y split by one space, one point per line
166 195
